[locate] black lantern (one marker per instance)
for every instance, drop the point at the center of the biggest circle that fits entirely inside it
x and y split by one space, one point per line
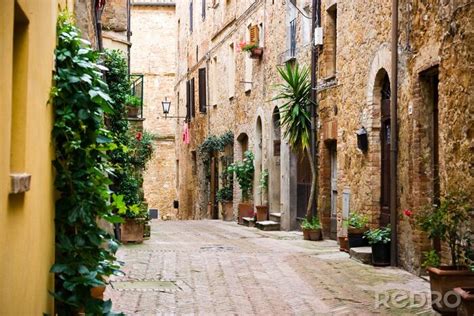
166 106
362 139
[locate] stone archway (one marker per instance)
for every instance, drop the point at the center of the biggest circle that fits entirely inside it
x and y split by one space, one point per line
374 119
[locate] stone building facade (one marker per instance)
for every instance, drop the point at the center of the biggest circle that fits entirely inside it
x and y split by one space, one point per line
435 105
153 54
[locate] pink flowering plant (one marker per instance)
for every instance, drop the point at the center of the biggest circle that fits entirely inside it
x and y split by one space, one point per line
247 47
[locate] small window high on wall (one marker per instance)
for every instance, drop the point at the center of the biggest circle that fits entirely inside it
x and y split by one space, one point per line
330 45
202 90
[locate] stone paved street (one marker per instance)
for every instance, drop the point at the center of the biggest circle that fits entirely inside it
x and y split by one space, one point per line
220 268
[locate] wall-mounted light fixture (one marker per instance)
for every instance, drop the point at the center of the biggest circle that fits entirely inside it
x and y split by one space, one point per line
166 109
362 139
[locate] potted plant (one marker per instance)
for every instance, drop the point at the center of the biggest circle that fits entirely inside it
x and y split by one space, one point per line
379 239
357 227
256 52
225 196
262 210
133 226
449 221
244 171
295 94
133 103
311 229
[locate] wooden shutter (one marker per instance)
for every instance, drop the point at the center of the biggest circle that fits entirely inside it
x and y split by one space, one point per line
193 109
202 90
188 100
254 34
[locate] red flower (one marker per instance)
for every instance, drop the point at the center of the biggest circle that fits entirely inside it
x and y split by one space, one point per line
139 136
408 213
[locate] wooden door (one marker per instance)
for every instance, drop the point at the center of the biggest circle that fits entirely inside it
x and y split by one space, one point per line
214 188
385 136
333 157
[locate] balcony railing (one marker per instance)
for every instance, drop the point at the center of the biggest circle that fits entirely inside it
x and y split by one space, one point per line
136 89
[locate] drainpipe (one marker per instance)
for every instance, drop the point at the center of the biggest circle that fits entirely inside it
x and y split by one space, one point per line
316 20
394 136
129 17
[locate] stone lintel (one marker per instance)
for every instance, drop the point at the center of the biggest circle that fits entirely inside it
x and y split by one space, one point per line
19 182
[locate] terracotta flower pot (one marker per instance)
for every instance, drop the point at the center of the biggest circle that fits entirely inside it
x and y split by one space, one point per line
132 111
132 230
227 211
344 244
262 213
445 279
98 292
256 53
245 210
466 308
312 234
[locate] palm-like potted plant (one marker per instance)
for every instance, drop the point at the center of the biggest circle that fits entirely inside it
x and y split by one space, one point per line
295 92
357 227
379 239
244 172
262 209
449 221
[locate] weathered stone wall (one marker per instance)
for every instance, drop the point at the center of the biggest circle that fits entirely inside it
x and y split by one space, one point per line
363 55
152 54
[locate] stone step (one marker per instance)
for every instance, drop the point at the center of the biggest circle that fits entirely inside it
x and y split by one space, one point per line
361 254
275 217
268 225
249 221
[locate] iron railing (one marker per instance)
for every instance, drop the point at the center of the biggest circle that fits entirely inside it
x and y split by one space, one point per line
136 89
292 38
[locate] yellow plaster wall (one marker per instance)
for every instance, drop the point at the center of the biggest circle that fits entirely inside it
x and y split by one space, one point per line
27 220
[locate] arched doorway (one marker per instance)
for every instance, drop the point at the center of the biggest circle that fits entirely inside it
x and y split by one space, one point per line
385 138
243 141
275 166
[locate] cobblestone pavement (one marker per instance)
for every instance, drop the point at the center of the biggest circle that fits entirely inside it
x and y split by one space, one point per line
221 268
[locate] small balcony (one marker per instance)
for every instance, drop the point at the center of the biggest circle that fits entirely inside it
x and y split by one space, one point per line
136 90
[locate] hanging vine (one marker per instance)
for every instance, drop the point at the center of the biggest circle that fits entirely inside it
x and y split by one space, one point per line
211 145
84 251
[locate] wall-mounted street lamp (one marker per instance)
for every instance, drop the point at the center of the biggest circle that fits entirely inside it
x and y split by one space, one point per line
362 139
166 109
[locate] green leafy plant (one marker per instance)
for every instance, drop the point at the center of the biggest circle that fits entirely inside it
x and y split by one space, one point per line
244 171
133 101
142 149
295 119
84 251
263 185
432 259
224 194
378 235
358 221
311 224
211 145
247 47
450 222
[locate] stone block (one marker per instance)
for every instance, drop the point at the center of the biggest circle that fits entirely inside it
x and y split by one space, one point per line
20 183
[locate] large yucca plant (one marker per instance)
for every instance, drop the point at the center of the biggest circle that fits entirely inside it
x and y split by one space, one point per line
295 118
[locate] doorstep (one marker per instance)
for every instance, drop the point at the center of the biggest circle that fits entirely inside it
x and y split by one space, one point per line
361 254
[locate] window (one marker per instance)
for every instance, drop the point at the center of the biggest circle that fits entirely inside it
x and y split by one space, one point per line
231 71
214 87
291 15
203 9
192 99
191 16
188 100
306 27
261 35
331 41
19 91
202 90
248 64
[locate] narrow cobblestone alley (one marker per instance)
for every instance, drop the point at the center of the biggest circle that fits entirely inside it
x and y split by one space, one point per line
220 268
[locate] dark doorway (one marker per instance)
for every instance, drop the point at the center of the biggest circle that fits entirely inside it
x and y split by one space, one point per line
385 153
303 185
332 146
214 188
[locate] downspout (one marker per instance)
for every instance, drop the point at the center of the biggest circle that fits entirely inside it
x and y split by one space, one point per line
394 137
129 16
98 9
316 20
